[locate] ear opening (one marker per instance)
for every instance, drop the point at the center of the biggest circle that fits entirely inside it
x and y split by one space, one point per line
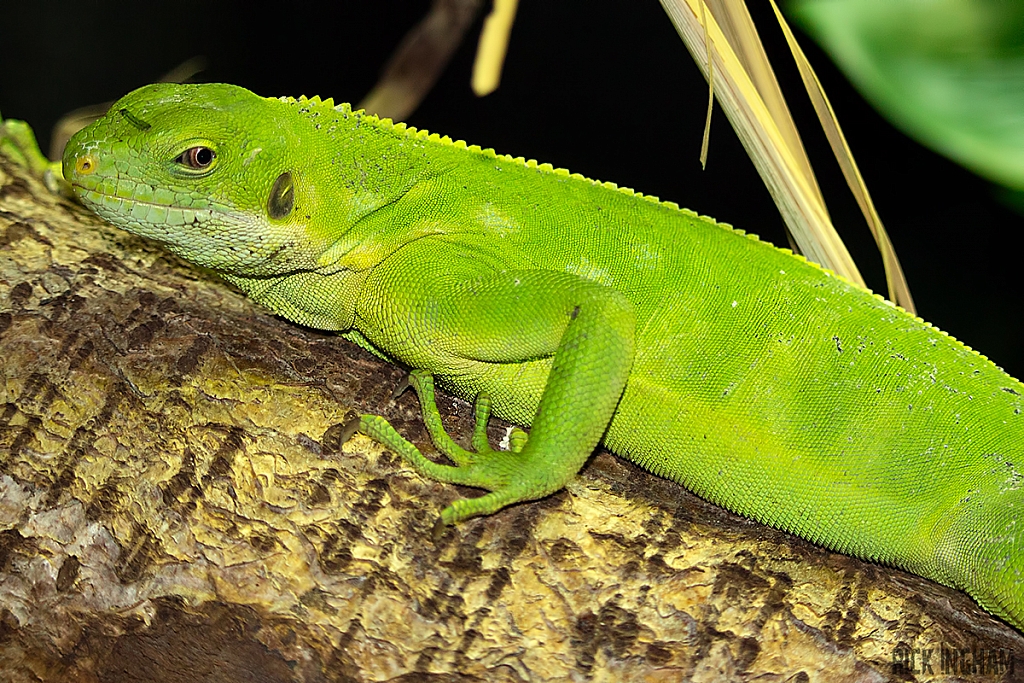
282 196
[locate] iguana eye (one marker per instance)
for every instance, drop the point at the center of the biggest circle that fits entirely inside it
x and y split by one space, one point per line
198 158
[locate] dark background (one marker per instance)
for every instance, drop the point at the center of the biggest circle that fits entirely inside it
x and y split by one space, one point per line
602 87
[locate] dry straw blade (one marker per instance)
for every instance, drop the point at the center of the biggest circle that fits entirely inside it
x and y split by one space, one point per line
897 283
782 165
745 86
722 39
493 44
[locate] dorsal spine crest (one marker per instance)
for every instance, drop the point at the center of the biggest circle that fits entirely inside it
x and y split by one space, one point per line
315 103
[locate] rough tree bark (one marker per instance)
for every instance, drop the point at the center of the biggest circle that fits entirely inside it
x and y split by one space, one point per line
175 506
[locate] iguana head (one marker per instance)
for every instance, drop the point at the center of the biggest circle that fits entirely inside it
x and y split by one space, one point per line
211 171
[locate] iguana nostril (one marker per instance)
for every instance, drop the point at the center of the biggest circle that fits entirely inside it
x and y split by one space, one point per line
85 164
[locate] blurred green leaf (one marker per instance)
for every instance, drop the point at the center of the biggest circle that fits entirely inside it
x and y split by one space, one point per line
949 72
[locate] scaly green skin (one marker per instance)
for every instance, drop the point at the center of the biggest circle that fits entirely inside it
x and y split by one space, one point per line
758 380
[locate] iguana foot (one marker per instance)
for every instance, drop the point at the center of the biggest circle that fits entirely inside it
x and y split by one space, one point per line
501 473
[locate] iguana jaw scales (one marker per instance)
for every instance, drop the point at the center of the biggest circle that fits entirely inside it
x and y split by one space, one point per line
166 223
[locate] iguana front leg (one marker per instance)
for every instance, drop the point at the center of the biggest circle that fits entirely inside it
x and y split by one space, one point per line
478 467
18 143
422 383
463 330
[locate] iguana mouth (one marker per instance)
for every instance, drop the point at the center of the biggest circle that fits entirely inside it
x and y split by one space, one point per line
184 230
95 196
137 215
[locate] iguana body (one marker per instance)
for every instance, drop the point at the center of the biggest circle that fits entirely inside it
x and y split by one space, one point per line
756 379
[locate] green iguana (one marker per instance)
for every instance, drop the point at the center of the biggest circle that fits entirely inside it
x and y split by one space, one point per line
756 379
